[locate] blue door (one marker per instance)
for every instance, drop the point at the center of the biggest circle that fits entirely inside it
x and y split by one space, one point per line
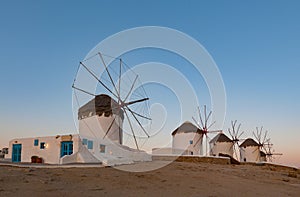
66 148
16 152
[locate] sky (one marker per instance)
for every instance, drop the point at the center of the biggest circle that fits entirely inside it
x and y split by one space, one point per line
255 44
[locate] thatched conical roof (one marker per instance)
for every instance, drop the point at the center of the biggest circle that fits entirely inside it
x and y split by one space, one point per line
249 142
221 137
186 127
101 104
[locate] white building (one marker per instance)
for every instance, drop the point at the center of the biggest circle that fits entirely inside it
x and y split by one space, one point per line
221 144
250 151
51 149
100 139
187 140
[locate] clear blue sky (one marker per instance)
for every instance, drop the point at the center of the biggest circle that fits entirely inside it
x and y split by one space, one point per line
255 44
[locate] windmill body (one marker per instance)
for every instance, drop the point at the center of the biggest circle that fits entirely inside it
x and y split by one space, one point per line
100 127
187 140
250 151
101 119
100 115
221 144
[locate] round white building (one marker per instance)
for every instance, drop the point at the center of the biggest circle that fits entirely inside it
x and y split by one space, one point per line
187 140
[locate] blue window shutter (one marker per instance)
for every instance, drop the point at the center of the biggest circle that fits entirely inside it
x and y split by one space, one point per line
36 142
90 144
84 141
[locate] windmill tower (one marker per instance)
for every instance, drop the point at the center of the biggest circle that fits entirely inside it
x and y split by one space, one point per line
235 138
249 151
221 144
205 128
101 119
187 139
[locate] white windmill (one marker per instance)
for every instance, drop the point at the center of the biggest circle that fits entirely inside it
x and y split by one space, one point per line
118 100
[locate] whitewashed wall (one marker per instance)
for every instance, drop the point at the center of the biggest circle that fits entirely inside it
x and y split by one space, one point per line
181 143
93 129
250 153
221 147
96 127
51 153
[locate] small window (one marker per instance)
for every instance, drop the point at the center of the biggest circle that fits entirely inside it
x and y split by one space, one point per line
90 144
84 141
42 145
36 142
192 153
102 148
191 141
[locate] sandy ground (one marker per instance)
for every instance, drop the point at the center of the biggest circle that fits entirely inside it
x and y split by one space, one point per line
175 179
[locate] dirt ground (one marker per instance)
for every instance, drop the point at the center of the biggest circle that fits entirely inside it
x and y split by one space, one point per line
175 179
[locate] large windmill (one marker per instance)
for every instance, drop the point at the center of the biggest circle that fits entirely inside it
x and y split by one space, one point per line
204 125
119 88
235 134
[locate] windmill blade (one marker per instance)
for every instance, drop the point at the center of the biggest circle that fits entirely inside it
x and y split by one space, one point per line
230 147
98 79
211 124
120 74
200 118
255 136
136 101
215 131
137 146
111 80
197 123
238 137
111 124
137 121
238 129
205 120
260 133
120 130
255 150
198 140
131 88
258 158
141 116
233 128
208 117
73 86
265 136
230 133
234 123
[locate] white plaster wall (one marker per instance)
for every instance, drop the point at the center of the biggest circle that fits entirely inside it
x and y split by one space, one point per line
115 151
51 153
251 153
96 127
181 142
221 147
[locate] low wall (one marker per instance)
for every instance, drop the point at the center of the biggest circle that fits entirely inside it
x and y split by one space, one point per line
192 158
